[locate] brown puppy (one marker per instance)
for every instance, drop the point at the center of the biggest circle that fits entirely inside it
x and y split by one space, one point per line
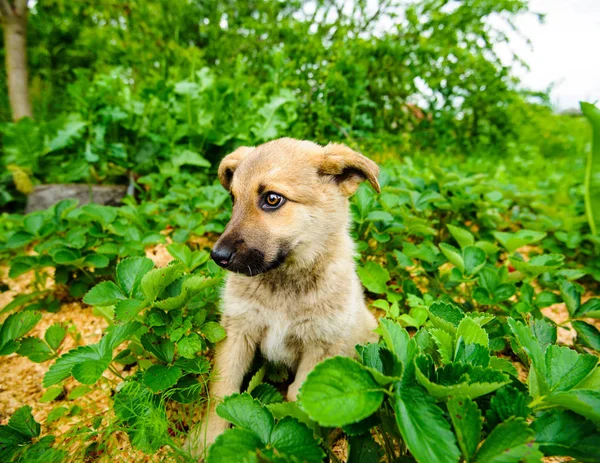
294 293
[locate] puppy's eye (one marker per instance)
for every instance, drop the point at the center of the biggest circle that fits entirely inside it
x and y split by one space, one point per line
272 201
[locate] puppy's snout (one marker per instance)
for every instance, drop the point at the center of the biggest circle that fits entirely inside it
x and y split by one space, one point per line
224 252
222 255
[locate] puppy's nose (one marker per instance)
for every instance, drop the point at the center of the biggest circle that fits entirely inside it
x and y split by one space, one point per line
223 254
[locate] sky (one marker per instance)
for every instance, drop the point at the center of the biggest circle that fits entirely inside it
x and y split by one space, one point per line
565 50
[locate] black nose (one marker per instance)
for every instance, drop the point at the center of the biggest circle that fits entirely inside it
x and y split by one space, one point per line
223 254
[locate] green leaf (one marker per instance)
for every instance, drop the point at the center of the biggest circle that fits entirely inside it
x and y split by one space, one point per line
590 309
445 344
467 421
538 264
364 449
587 334
181 252
22 421
511 441
582 401
35 349
126 310
514 241
161 377
470 332
292 438
244 411
104 294
459 380
292 409
445 316
395 337
505 403
51 393
162 348
592 180
236 446
463 237
453 255
474 259
266 394
130 273
90 371
213 331
257 378
96 260
340 391
374 277
19 239
54 335
533 349
566 368
564 433
78 391
424 430
155 281
190 345
570 296
15 326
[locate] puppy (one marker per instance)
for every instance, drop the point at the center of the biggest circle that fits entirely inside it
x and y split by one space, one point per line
293 292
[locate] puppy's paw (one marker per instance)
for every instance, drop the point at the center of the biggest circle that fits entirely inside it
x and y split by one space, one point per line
203 435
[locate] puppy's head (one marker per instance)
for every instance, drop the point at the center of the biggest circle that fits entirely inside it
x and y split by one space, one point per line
290 202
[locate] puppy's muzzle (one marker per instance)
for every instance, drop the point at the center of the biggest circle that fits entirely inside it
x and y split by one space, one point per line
223 253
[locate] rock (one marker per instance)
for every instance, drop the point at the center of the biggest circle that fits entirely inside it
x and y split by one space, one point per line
44 196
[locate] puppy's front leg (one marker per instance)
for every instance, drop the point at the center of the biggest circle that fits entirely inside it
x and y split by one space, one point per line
232 359
310 357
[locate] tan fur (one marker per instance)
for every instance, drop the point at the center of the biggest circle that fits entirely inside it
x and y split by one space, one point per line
312 306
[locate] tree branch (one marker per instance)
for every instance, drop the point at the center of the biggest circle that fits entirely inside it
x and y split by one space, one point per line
5 9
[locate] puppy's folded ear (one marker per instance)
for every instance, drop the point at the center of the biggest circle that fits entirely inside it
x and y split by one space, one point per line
348 168
229 163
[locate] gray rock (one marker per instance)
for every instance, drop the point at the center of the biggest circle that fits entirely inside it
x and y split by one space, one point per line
44 196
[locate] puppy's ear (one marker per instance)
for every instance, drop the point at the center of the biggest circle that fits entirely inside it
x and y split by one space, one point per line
348 168
230 163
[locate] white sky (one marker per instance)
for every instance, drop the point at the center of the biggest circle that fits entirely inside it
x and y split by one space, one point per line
566 50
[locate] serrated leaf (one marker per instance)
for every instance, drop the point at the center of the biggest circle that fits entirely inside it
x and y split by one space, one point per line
363 449
161 377
294 439
78 391
526 341
190 345
89 371
236 446
16 325
213 331
583 401
467 421
565 433
35 349
566 368
458 380
22 421
244 411
453 255
538 264
292 409
181 252
257 378
424 430
130 272
511 441
266 394
474 260
395 337
570 295
587 334
54 335
104 294
505 403
156 280
445 344
126 310
340 391
471 333
463 237
96 260
374 277
162 348
514 241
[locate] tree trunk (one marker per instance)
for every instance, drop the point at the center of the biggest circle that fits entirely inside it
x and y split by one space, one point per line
15 38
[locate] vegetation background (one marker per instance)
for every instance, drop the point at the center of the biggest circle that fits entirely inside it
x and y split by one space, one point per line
490 205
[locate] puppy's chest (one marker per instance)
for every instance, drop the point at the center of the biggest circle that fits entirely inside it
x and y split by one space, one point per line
279 342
